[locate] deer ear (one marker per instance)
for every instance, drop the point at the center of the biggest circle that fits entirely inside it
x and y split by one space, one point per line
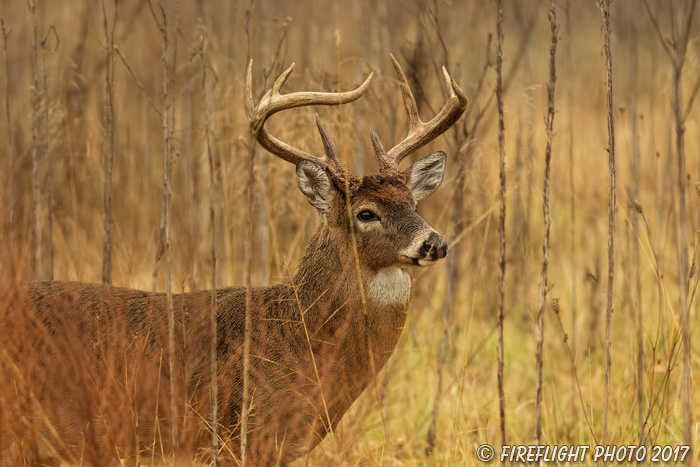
425 175
315 183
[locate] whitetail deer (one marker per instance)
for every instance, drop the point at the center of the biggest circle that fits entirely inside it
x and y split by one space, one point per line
317 341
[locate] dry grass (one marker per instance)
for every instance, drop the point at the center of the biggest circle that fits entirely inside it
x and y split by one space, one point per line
335 45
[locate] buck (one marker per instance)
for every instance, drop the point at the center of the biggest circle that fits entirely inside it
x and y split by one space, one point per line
317 341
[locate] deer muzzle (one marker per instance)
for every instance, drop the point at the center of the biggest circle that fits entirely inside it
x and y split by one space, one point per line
425 250
433 248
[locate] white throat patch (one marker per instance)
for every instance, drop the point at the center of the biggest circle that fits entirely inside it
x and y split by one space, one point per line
389 286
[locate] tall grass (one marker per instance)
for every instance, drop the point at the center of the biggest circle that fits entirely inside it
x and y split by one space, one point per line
334 45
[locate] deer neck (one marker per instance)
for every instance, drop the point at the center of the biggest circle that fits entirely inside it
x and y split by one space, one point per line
324 277
349 339
328 280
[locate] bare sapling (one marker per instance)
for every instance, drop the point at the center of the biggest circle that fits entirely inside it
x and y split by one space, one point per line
634 209
549 123
13 237
8 117
169 65
572 179
245 403
676 49
108 144
501 220
213 368
42 257
464 138
605 9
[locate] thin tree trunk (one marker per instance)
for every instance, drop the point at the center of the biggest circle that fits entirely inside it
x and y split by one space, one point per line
212 226
10 142
250 185
676 49
611 216
248 300
683 263
108 145
169 66
683 260
42 258
549 122
8 114
502 219
635 169
453 275
572 182
168 133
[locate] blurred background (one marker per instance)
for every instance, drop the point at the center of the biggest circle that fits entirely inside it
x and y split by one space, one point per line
437 399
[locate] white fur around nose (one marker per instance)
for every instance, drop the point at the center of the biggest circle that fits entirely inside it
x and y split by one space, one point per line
389 287
413 250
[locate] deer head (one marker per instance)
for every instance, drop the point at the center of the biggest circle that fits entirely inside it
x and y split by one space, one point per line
379 209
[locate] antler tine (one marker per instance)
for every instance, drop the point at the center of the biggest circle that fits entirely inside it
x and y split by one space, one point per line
279 82
273 102
421 133
334 163
277 85
384 163
409 102
249 101
448 82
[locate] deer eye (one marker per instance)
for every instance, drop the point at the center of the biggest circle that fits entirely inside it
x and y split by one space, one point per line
366 216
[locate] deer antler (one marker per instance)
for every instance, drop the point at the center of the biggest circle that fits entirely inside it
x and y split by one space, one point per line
273 102
420 133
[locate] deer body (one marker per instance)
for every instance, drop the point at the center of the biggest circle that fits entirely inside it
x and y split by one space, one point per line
316 341
297 398
292 406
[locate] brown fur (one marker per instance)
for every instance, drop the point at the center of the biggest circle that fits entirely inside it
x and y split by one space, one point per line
92 339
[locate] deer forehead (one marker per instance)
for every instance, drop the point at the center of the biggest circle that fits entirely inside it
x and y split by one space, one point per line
388 190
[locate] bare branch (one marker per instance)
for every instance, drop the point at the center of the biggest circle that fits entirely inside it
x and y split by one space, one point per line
691 101
657 28
688 25
138 81
549 123
155 16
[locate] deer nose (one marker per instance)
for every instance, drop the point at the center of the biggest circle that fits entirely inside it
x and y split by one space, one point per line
434 247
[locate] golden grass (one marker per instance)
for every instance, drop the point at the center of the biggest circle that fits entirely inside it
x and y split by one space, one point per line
335 45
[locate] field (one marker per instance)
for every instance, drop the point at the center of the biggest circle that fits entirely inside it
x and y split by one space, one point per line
437 399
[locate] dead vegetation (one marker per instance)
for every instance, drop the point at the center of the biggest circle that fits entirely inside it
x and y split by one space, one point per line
438 397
